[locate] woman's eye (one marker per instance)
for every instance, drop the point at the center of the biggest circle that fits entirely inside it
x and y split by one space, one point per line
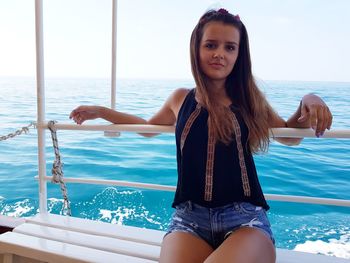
231 48
209 45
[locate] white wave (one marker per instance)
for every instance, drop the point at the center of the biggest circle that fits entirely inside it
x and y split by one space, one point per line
335 247
117 216
18 209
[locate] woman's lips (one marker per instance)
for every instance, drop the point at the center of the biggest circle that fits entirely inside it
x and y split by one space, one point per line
216 65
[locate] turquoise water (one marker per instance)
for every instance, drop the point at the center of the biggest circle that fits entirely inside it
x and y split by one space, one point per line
317 167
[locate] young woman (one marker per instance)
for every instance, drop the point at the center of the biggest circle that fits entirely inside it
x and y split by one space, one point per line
220 207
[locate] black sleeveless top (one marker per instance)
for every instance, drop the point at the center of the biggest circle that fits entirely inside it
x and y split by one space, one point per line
213 174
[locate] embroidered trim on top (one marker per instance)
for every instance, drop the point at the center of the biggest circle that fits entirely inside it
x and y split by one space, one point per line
244 174
188 125
209 171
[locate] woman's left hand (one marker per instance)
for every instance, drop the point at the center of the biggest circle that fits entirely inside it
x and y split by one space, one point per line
315 110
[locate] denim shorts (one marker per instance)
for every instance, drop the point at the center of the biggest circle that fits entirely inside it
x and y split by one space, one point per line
214 225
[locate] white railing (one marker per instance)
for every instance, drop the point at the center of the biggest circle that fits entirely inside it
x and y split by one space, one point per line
114 55
40 80
143 128
159 187
280 132
42 126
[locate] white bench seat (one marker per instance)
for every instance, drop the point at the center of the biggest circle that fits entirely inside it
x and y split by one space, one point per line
107 241
47 250
108 244
136 234
291 256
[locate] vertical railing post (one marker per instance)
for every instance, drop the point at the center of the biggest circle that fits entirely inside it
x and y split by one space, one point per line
114 53
40 82
114 63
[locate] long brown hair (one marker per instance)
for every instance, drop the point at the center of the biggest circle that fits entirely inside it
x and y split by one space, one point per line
240 87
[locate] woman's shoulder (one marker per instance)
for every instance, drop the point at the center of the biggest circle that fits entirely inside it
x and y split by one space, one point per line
178 97
181 93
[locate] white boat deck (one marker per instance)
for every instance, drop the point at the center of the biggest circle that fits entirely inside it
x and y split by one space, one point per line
54 238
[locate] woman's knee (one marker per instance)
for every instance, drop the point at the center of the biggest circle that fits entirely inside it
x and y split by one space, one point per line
184 247
246 245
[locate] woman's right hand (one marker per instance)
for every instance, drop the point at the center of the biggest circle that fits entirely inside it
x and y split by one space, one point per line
83 113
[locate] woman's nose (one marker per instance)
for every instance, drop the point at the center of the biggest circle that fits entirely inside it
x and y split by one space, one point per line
218 55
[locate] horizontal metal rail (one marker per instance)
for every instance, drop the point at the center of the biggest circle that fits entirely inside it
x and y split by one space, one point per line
143 128
284 198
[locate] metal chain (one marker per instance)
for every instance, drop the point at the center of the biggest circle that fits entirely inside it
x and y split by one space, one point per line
57 172
18 132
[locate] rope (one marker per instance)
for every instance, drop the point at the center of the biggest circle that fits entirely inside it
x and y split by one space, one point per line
57 172
18 132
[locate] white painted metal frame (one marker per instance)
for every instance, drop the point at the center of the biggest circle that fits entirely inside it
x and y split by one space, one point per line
143 128
40 79
42 126
114 54
285 198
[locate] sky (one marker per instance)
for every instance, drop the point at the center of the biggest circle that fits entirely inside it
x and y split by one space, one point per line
303 40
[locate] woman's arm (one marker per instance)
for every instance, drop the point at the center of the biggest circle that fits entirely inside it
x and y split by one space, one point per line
84 113
167 115
312 112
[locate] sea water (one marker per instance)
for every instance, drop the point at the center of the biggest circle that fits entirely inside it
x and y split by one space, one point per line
318 167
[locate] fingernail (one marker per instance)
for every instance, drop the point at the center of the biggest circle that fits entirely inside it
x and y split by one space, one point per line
318 135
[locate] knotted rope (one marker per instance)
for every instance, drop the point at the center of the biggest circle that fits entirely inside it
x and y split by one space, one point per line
57 172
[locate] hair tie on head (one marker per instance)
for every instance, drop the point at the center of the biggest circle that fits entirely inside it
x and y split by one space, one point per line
213 13
223 11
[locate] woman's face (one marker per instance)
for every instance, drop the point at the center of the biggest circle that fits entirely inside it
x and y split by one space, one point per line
218 50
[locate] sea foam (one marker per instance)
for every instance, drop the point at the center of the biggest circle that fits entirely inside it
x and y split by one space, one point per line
334 247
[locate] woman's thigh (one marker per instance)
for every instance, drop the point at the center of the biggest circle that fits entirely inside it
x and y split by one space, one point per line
185 248
245 245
